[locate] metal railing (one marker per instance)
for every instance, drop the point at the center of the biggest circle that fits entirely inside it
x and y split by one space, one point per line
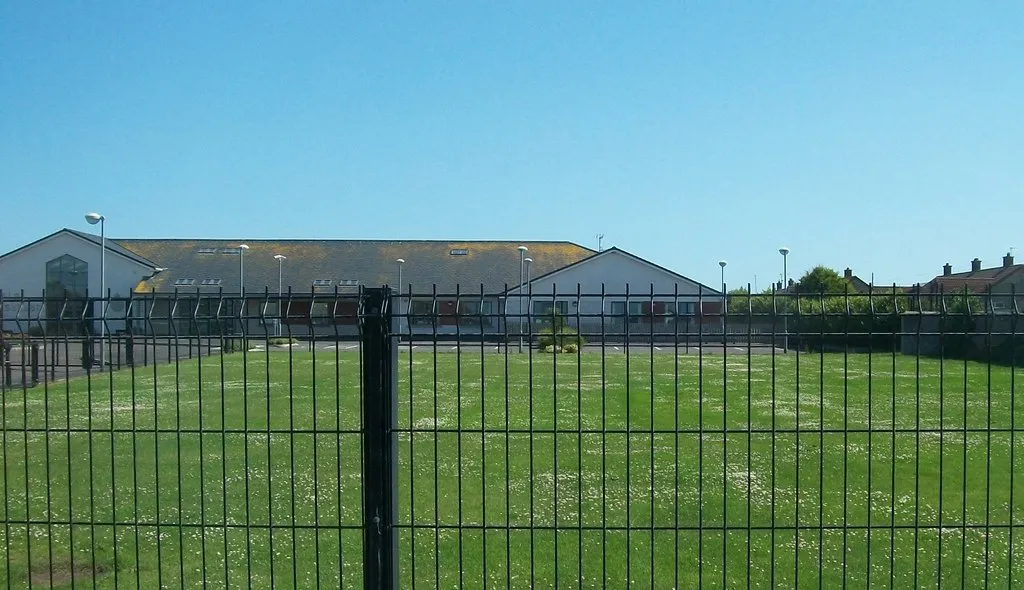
366 446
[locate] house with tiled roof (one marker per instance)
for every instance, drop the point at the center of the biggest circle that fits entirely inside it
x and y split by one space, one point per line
999 281
310 285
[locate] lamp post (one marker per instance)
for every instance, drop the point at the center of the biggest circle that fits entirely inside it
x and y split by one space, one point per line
280 258
400 262
785 318
241 285
93 219
723 264
522 270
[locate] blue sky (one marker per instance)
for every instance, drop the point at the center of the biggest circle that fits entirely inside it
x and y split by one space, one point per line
888 137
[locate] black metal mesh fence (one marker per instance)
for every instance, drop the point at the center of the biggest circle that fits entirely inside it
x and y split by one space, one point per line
450 440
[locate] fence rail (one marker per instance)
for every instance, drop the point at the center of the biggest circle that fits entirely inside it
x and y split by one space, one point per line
362 440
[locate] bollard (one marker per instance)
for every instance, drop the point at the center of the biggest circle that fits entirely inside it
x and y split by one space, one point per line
53 358
129 351
87 354
35 365
7 379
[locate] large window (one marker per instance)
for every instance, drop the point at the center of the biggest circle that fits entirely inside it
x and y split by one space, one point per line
67 276
67 283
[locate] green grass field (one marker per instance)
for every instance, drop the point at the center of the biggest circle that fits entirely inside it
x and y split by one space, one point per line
610 489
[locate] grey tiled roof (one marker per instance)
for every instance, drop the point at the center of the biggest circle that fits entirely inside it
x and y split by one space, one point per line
446 264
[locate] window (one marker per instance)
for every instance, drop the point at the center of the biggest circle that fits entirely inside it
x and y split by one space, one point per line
184 282
322 282
476 307
207 250
421 312
543 308
67 284
211 282
459 252
618 309
67 276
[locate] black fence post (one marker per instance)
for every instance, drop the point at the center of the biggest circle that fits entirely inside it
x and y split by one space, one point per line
35 364
129 350
379 360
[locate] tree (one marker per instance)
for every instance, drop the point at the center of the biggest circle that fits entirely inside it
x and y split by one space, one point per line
821 279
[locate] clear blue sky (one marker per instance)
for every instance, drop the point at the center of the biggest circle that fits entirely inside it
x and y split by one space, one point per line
888 137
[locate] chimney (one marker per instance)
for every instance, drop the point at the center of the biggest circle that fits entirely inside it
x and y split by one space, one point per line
1008 260
791 282
976 265
947 269
848 273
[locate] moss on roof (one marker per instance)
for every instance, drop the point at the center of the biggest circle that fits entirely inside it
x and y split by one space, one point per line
429 264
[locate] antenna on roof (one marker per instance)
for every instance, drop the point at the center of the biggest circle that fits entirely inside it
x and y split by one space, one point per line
600 238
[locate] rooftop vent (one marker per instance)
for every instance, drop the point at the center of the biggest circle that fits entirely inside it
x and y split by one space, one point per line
184 282
229 250
211 282
459 252
322 282
207 250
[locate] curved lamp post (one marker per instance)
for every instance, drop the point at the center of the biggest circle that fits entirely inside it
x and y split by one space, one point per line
785 285
723 264
93 219
280 258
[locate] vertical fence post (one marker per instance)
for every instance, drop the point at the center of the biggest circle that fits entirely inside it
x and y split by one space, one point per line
379 460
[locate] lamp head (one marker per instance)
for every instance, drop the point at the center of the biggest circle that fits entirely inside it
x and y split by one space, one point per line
400 261
528 260
243 247
784 251
522 248
93 218
280 257
722 263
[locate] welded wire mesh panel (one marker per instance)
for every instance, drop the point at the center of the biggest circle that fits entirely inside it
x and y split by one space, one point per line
558 439
667 440
197 442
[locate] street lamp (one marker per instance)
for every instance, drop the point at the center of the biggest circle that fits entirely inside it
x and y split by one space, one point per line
400 262
522 266
93 219
785 284
241 285
723 264
280 258
241 268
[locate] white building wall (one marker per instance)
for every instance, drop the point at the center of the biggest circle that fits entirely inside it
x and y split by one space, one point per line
619 274
26 271
616 272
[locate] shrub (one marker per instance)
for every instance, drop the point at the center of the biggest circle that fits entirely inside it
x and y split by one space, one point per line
549 349
283 341
572 348
558 333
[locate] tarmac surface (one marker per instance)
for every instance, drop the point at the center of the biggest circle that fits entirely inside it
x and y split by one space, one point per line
64 360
